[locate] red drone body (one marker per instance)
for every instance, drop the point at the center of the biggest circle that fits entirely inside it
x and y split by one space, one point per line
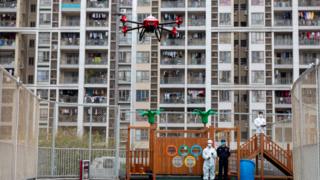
150 25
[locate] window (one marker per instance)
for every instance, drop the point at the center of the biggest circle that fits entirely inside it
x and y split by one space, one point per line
124 95
44 38
143 2
142 16
31 61
225 96
142 95
225 2
30 79
257 77
43 56
142 135
225 116
225 38
257 2
257 19
124 57
31 43
257 57
33 8
259 96
44 18
143 57
243 7
124 76
225 57
32 24
225 19
43 76
243 43
257 38
143 76
225 76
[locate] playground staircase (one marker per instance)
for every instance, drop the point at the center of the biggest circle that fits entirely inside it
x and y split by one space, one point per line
260 144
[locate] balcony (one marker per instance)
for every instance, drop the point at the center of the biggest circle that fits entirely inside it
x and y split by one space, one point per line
309 38
308 57
97 4
172 42
97 42
7 59
283 61
283 19
309 18
68 114
126 3
69 59
8 4
196 96
283 40
7 41
283 77
197 39
282 3
172 57
197 19
68 96
124 77
311 3
196 58
172 98
70 40
97 23
95 95
70 21
172 4
69 77
97 58
172 118
94 76
143 3
196 77
172 77
7 19
99 115
70 5
282 100
193 119
171 17
196 3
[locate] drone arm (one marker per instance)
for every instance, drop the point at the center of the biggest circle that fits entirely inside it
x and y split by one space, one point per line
134 22
131 29
162 28
166 23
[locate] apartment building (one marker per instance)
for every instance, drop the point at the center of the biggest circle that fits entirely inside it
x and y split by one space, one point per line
235 56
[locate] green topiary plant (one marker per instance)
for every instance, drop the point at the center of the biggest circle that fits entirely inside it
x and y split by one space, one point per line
150 114
204 114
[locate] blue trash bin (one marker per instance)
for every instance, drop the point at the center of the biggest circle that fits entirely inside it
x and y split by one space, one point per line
247 170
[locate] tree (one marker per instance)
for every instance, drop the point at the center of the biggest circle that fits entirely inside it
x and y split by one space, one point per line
204 114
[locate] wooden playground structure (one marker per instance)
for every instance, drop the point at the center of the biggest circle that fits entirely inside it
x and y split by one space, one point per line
178 152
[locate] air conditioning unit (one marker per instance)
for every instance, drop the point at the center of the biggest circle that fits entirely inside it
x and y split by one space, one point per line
123 11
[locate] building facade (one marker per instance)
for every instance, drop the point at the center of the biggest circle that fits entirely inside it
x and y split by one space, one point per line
235 56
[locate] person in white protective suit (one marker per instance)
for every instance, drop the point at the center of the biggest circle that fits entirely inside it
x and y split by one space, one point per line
260 123
209 155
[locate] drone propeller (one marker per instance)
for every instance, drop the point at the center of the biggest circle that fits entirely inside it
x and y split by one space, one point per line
174 31
179 21
124 30
123 19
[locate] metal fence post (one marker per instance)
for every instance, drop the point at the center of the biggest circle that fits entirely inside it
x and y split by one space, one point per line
117 142
16 130
54 131
90 134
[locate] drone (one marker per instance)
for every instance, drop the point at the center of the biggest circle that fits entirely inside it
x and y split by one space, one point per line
150 25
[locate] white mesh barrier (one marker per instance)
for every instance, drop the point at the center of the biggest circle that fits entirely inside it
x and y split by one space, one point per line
18 129
306 125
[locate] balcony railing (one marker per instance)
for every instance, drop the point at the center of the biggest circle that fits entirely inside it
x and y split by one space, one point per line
97 23
71 60
97 42
196 3
283 100
97 60
69 79
124 80
125 40
282 61
124 98
67 118
283 80
144 2
126 3
172 42
97 4
96 80
193 119
95 99
283 41
68 99
196 42
71 22
282 3
8 4
198 100
172 80
172 100
171 118
6 61
7 42
309 3
282 22
170 61
311 40
307 60
172 4
95 118
309 18
71 4
70 41
197 61
197 22
196 80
